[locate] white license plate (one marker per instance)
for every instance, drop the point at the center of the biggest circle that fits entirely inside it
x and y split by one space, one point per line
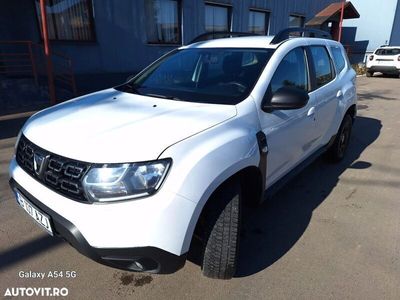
384 63
41 218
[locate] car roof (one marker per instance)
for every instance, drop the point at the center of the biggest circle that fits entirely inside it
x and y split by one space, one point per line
236 42
262 42
388 47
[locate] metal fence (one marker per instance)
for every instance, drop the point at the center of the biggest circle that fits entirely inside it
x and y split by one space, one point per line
21 59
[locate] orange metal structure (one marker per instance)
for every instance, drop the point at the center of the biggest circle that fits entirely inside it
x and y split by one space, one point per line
27 58
341 21
334 13
12 63
49 63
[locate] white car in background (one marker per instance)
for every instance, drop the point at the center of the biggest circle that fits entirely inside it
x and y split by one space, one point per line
386 60
127 175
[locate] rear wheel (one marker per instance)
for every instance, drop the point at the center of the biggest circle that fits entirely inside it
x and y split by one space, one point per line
338 149
222 230
369 74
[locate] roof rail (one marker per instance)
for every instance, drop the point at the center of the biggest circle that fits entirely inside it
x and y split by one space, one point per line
285 34
219 35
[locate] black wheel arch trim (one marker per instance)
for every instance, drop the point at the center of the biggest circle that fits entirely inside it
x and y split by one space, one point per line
263 149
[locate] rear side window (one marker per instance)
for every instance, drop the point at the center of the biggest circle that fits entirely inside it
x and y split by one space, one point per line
388 51
291 72
322 65
338 58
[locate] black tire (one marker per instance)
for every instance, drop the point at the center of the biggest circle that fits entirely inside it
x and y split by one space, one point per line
338 149
369 74
222 232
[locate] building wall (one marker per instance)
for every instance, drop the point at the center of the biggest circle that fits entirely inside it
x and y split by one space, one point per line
375 22
395 36
121 42
17 20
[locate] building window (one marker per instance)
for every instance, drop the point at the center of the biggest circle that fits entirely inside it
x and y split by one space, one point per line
218 18
68 20
258 22
296 21
163 21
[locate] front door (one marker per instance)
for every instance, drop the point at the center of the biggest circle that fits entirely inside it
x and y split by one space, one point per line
291 134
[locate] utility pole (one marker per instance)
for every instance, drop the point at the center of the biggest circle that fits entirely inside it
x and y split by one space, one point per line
341 21
47 53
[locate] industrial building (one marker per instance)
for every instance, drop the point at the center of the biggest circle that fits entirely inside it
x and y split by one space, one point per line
124 36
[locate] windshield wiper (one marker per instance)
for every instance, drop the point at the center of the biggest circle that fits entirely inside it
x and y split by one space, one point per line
164 97
130 88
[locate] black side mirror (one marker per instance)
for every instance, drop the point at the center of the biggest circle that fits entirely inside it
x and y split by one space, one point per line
286 98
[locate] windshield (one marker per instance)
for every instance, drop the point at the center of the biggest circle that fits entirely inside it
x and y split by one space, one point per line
393 51
218 75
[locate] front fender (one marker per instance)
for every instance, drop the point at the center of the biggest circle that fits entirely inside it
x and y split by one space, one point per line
204 161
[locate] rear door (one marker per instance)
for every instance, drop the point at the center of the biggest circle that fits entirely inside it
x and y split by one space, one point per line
326 89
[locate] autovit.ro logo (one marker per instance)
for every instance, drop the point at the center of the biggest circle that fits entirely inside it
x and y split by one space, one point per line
36 291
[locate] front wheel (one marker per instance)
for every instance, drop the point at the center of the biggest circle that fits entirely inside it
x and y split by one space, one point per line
338 149
369 74
222 231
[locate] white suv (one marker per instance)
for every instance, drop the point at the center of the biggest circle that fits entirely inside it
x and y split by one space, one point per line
126 175
386 60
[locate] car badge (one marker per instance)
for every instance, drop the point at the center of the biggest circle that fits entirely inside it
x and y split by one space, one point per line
38 162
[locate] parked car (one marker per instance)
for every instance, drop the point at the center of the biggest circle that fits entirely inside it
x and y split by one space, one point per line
386 59
128 174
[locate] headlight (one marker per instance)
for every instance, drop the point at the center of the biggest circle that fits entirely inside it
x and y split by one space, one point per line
113 182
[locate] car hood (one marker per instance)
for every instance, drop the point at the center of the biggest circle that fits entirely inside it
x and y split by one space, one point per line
111 126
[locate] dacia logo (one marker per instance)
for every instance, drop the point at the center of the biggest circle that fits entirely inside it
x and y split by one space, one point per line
38 162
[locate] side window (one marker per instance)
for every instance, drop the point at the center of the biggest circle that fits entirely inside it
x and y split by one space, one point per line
291 72
322 65
338 58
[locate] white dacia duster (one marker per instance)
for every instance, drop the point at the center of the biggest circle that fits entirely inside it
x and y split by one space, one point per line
386 60
127 174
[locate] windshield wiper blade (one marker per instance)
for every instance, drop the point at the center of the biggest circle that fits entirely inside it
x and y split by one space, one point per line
128 87
164 96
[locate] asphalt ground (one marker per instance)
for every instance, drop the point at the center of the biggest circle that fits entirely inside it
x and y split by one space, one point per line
332 233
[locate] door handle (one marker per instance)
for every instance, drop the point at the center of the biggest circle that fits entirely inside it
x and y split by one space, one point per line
311 112
339 94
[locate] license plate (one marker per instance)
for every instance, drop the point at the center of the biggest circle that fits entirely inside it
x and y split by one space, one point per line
384 63
41 218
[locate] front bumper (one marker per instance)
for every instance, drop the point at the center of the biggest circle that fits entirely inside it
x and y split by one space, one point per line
148 259
151 232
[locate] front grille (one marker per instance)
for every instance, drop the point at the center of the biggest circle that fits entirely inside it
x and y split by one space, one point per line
63 175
